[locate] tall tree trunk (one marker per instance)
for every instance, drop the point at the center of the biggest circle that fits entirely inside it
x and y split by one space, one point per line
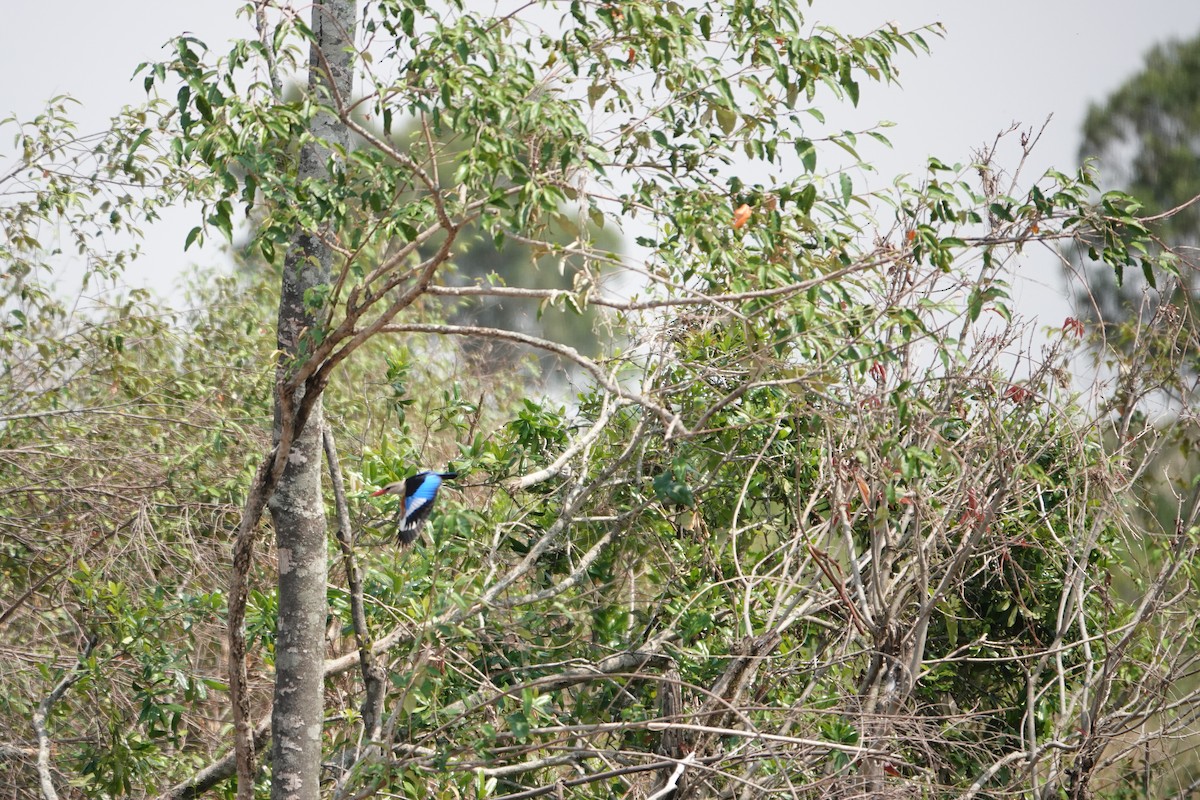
297 507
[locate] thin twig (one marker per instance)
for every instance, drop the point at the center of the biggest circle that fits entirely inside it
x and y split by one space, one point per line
265 38
372 705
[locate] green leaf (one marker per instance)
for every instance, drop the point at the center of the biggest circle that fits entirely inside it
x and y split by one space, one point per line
808 154
806 198
727 119
669 489
222 218
595 92
518 723
192 236
134 145
726 92
974 304
1001 211
1148 272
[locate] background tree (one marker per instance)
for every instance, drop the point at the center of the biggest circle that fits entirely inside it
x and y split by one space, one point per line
808 530
1144 138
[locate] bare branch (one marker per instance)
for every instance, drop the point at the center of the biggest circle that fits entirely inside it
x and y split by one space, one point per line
674 427
41 716
221 770
673 779
607 410
263 25
372 674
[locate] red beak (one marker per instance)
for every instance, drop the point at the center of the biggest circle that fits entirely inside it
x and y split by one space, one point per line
381 491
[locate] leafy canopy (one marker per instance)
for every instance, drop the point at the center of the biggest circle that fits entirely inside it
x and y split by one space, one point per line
806 494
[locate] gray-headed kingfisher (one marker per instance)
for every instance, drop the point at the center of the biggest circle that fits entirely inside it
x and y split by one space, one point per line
416 501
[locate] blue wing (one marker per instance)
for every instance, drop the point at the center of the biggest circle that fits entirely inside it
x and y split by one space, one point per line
420 492
421 489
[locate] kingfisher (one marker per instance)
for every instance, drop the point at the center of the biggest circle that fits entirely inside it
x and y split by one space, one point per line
416 500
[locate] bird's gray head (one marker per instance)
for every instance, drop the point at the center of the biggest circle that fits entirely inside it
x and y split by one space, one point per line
395 487
400 487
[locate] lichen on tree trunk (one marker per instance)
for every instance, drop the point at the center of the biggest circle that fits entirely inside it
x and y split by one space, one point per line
297 507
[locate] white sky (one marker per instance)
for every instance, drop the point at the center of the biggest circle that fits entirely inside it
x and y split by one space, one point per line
1000 63
1018 61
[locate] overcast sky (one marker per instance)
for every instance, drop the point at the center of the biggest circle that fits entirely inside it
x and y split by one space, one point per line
999 63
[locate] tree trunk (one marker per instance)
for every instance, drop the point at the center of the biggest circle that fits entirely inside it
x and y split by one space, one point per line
297 507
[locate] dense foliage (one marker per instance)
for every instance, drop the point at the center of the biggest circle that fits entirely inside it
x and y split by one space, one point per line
814 521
